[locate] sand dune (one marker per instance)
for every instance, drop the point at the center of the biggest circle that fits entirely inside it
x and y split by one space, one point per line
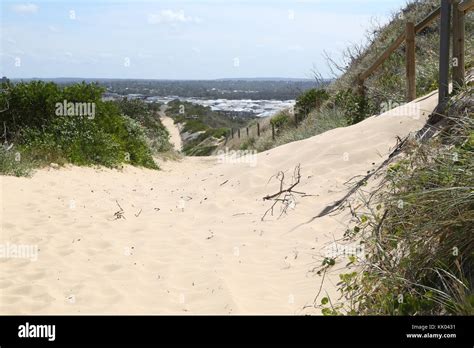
175 137
192 240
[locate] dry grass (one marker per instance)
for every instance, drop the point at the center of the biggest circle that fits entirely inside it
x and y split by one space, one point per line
417 229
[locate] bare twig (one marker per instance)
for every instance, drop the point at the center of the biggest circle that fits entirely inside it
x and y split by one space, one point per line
119 214
285 197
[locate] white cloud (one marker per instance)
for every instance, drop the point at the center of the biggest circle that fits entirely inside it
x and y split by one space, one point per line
170 16
25 8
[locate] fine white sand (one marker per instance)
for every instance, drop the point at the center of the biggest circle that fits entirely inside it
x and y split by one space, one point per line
175 137
192 240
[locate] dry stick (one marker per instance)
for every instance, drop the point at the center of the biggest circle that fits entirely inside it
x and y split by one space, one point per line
320 287
288 193
298 177
119 214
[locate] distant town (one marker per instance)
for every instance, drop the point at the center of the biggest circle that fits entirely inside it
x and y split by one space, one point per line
230 107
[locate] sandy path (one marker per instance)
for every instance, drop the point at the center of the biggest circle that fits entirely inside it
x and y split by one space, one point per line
192 240
175 137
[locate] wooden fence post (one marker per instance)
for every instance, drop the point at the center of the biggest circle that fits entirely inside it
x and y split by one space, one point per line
273 131
410 61
258 129
444 33
458 46
232 133
247 132
238 133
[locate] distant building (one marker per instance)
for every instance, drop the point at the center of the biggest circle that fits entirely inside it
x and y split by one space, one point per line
108 96
134 96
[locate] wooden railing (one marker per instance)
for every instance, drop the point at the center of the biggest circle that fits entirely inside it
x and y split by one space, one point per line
408 36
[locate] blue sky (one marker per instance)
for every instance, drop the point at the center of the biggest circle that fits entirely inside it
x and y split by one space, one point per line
181 39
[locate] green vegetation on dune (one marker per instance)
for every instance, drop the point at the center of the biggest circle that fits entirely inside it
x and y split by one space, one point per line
146 115
36 132
205 129
417 230
316 123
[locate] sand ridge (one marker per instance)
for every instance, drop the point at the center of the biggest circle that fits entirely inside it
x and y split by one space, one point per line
191 240
168 122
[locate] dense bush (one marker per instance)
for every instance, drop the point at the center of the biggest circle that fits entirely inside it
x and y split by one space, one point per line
43 135
281 120
146 115
310 100
355 107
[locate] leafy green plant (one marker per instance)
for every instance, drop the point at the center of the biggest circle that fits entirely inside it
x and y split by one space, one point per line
310 100
43 135
355 107
418 235
12 163
281 120
157 136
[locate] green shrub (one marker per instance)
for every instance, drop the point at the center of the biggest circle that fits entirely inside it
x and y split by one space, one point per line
146 115
43 135
194 126
220 133
281 120
310 100
12 163
355 107
248 144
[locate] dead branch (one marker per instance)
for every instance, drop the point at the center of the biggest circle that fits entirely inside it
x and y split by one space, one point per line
119 214
285 197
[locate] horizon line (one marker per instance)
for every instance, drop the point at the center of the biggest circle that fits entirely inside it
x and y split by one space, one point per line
167 79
